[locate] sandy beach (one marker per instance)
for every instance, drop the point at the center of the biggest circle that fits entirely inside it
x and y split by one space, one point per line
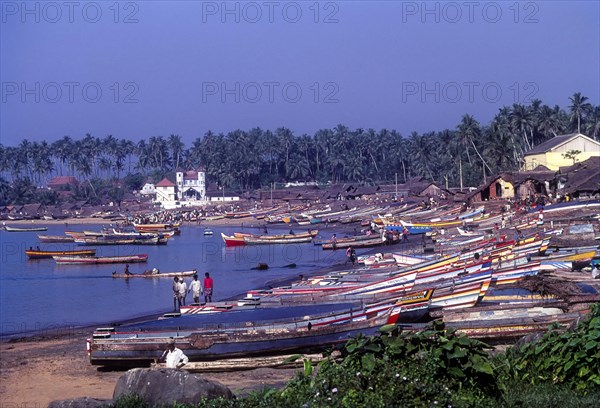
41 369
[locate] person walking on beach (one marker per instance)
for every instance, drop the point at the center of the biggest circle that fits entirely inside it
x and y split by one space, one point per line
351 255
174 357
208 288
176 301
195 288
182 292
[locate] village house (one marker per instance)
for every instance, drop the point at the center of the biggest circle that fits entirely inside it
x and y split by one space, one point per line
562 150
577 180
61 183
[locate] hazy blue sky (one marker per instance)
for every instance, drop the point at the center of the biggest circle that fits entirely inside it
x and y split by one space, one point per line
138 69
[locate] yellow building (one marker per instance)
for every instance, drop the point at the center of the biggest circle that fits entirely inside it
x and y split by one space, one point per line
551 152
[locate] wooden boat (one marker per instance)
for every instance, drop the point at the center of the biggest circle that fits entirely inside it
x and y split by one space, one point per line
39 254
116 240
207 337
156 227
138 234
149 274
232 240
270 241
376 240
92 260
24 229
298 238
236 215
55 239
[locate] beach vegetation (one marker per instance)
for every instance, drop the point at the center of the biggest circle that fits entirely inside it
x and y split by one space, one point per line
438 367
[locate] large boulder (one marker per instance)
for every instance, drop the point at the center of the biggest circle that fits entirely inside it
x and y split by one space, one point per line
85 402
168 385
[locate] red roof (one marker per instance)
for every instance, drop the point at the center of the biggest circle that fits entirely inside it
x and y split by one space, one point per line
165 183
62 181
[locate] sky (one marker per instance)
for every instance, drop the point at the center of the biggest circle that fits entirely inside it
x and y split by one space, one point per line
155 68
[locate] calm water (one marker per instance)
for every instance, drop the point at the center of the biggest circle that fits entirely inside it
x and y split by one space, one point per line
38 296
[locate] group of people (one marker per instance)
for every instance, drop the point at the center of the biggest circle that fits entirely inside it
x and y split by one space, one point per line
181 290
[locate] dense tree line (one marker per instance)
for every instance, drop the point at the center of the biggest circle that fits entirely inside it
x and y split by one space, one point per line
251 159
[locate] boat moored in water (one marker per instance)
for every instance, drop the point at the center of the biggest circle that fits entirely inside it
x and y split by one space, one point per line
92 260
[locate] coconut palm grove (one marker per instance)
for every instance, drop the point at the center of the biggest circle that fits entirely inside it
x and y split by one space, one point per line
243 160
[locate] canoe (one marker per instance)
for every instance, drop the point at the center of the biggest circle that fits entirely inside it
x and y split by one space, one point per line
116 240
161 226
55 239
26 229
154 275
365 243
270 241
92 260
39 254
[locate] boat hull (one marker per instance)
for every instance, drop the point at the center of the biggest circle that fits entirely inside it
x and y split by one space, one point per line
75 260
36 254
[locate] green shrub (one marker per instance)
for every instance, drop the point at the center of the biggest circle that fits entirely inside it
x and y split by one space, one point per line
570 359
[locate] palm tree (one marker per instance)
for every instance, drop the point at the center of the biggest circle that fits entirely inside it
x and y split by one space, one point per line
592 125
522 120
469 129
579 108
177 147
62 149
421 155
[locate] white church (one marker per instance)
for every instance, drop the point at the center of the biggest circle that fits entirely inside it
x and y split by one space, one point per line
189 189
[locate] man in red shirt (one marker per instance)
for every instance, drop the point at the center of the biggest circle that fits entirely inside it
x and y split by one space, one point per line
208 288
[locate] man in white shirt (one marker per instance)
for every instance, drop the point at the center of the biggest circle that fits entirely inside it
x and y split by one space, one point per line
174 357
182 291
196 289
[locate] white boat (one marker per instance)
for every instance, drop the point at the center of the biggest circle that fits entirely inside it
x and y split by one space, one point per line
208 232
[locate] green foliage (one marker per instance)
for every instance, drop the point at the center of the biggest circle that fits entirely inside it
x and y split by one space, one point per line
570 359
130 401
134 181
572 155
438 367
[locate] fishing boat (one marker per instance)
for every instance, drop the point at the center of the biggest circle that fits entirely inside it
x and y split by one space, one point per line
117 240
56 239
39 254
376 240
270 241
298 238
92 260
208 337
150 274
232 240
24 229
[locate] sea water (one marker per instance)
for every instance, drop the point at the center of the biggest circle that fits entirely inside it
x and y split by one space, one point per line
38 296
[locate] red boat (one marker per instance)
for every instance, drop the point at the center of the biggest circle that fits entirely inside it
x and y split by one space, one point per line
232 240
